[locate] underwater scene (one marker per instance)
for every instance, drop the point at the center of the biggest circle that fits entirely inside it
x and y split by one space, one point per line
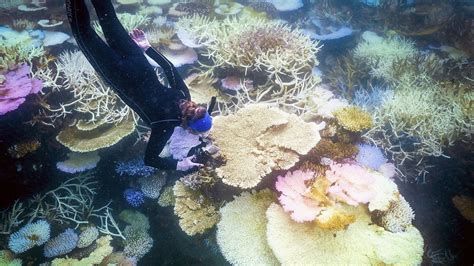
247 132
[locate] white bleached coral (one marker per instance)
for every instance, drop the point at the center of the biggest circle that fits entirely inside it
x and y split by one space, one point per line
259 139
241 233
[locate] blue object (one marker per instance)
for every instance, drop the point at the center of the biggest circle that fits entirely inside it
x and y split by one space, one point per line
201 124
135 167
370 156
61 244
371 2
134 197
30 235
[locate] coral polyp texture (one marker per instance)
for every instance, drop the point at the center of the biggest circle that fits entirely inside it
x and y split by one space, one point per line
102 250
61 244
361 243
30 235
259 139
241 232
196 213
353 118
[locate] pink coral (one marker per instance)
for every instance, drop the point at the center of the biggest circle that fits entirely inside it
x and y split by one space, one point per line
293 199
351 183
16 87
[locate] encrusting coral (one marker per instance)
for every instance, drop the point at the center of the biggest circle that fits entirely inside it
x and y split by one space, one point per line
241 232
259 139
196 213
361 243
166 198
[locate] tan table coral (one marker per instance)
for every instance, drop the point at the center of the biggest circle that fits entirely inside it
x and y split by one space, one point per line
196 214
259 139
101 137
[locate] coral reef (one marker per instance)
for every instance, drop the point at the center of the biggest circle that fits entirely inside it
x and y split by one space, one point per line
370 156
90 98
242 228
259 139
15 86
7 259
151 185
334 150
79 162
134 197
196 213
135 218
361 243
134 167
353 118
102 250
24 148
61 244
30 235
420 120
167 198
293 197
91 140
88 235
380 53
397 218
137 243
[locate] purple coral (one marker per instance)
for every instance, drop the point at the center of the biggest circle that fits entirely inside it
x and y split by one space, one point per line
15 87
61 244
134 197
370 156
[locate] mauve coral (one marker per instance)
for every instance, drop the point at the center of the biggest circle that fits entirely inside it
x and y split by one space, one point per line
16 86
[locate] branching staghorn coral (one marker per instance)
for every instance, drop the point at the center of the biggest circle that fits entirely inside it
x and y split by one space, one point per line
420 120
129 22
71 203
90 95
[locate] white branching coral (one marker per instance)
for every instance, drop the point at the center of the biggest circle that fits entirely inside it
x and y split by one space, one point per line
91 97
259 139
381 53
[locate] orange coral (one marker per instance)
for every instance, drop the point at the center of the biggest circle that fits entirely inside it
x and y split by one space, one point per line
22 149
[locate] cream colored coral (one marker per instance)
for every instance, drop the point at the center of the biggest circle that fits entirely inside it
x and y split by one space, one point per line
398 216
241 232
386 192
196 214
362 243
259 139
103 250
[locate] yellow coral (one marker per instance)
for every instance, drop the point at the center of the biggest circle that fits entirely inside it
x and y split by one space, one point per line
362 243
335 218
196 213
353 118
259 139
103 250
101 137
